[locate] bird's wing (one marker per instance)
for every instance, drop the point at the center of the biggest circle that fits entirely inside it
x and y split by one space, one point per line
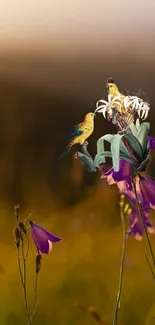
75 135
74 132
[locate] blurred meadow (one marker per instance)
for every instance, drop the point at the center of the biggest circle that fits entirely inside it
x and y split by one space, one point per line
55 58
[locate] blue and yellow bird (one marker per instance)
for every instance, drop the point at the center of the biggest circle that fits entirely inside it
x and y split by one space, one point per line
79 133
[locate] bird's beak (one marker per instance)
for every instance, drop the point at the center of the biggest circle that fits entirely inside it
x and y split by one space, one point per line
107 87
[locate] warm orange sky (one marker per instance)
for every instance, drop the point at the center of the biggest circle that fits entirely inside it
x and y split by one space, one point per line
74 26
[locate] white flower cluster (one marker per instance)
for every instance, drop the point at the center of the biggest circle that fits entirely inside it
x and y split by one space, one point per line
131 104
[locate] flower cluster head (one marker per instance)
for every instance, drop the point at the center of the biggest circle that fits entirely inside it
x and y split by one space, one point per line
129 151
120 109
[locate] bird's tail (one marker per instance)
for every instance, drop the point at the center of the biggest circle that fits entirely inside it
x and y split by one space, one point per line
68 148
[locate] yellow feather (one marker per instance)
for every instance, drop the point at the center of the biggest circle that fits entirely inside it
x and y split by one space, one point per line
114 91
87 126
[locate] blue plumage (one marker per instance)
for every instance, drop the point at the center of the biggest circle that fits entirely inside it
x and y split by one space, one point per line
75 135
74 132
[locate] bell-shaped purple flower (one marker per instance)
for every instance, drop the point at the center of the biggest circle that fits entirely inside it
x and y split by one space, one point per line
147 187
124 174
43 239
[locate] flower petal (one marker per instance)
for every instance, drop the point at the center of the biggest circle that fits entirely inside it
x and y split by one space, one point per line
124 173
147 187
134 147
42 238
151 141
50 246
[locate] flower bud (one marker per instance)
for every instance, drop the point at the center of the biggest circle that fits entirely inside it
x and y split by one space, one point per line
126 207
38 262
129 211
22 227
121 202
16 208
18 235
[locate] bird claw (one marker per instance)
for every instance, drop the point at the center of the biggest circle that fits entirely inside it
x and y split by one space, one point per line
85 143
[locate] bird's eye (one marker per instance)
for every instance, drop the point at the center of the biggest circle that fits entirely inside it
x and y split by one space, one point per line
110 85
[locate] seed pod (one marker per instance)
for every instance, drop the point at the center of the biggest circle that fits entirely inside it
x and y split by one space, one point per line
129 211
16 208
38 262
22 227
126 207
121 202
18 235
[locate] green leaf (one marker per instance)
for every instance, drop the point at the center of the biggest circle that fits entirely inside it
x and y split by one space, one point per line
100 142
133 129
100 157
115 151
135 146
142 134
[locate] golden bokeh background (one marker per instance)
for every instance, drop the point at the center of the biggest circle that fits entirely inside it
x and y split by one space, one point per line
55 57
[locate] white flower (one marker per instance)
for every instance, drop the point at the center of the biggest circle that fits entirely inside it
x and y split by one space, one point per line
103 106
136 104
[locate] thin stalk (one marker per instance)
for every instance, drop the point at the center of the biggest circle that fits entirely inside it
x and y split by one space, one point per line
143 221
19 266
150 267
24 285
118 300
28 246
35 297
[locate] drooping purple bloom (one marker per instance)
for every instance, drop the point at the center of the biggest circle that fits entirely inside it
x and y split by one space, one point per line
124 174
43 239
136 224
147 187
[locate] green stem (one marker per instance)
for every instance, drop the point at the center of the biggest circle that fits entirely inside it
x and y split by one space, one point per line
28 246
143 221
24 285
35 297
150 267
117 307
19 266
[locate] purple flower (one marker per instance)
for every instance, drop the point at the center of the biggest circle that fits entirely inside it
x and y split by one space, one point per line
113 177
151 141
136 224
43 239
145 186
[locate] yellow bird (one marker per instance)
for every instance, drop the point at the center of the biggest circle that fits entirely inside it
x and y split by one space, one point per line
79 133
114 92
